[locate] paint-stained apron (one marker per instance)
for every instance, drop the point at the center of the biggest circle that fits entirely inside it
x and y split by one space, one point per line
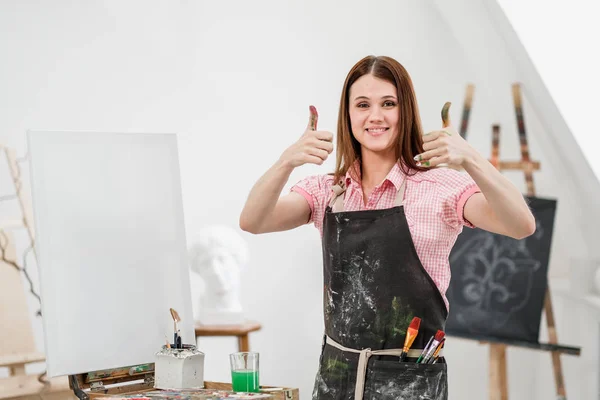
374 286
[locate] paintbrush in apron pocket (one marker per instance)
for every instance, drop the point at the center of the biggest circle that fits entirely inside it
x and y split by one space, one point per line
411 334
432 346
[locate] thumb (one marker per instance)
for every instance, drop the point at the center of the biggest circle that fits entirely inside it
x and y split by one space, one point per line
445 116
312 120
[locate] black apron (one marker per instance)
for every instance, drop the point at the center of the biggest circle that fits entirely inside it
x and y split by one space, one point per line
374 286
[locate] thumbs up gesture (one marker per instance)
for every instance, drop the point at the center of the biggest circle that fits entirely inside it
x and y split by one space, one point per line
313 147
445 147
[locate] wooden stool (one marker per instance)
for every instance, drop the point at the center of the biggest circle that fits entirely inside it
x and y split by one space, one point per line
241 331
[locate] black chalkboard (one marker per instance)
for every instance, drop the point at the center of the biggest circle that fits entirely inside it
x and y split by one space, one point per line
498 283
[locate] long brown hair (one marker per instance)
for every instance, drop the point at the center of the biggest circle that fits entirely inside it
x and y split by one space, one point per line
409 142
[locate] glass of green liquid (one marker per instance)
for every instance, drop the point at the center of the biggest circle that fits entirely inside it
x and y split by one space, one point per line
244 372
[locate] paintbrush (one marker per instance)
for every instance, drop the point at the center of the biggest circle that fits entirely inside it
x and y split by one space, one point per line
411 334
176 319
434 358
439 336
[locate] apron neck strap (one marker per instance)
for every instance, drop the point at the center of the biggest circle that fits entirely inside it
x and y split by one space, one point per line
400 194
337 201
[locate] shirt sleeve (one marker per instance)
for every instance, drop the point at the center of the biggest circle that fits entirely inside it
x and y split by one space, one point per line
316 190
455 188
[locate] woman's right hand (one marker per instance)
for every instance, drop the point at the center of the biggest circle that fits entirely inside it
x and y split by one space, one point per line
313 147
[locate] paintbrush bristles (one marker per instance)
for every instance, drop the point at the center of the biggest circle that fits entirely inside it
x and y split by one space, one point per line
415 323
439 335
175 315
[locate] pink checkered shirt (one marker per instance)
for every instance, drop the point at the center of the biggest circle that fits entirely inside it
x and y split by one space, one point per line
433 204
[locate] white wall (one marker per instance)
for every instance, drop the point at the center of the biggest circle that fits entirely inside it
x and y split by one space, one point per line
235 80
553 52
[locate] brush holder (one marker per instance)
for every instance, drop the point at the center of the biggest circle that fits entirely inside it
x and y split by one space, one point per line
179 368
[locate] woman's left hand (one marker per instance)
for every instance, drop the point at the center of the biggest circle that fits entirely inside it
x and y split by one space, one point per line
444 147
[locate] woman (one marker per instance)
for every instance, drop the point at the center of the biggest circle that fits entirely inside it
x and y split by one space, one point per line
388 221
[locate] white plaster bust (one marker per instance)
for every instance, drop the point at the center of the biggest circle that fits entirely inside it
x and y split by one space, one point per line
218 254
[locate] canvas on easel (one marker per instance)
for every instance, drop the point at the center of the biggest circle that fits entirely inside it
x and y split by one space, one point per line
111 247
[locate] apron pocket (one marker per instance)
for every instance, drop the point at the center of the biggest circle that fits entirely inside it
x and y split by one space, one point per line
387 380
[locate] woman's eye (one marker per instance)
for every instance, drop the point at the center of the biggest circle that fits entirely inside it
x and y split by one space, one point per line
362 105
389 104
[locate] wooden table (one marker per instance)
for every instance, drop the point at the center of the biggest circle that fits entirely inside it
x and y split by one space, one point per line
241 331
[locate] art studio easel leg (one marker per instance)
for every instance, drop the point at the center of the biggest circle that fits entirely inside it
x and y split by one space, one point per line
561 392
498 381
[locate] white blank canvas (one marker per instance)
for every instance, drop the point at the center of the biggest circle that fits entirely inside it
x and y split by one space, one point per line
111 247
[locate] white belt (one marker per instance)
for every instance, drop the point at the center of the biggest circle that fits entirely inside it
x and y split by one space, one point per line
363 359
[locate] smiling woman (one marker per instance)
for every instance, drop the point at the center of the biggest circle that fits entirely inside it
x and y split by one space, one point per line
388 217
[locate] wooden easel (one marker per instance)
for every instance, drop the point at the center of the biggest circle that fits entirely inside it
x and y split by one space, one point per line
498 378
17 346
464 124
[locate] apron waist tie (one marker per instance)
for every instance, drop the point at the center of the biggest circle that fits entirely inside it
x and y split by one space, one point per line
363 359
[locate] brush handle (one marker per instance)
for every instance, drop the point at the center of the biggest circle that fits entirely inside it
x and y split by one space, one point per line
436 353
430 351
403 356
425 350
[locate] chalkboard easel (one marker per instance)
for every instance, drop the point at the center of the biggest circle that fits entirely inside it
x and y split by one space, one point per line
498 380
511 318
